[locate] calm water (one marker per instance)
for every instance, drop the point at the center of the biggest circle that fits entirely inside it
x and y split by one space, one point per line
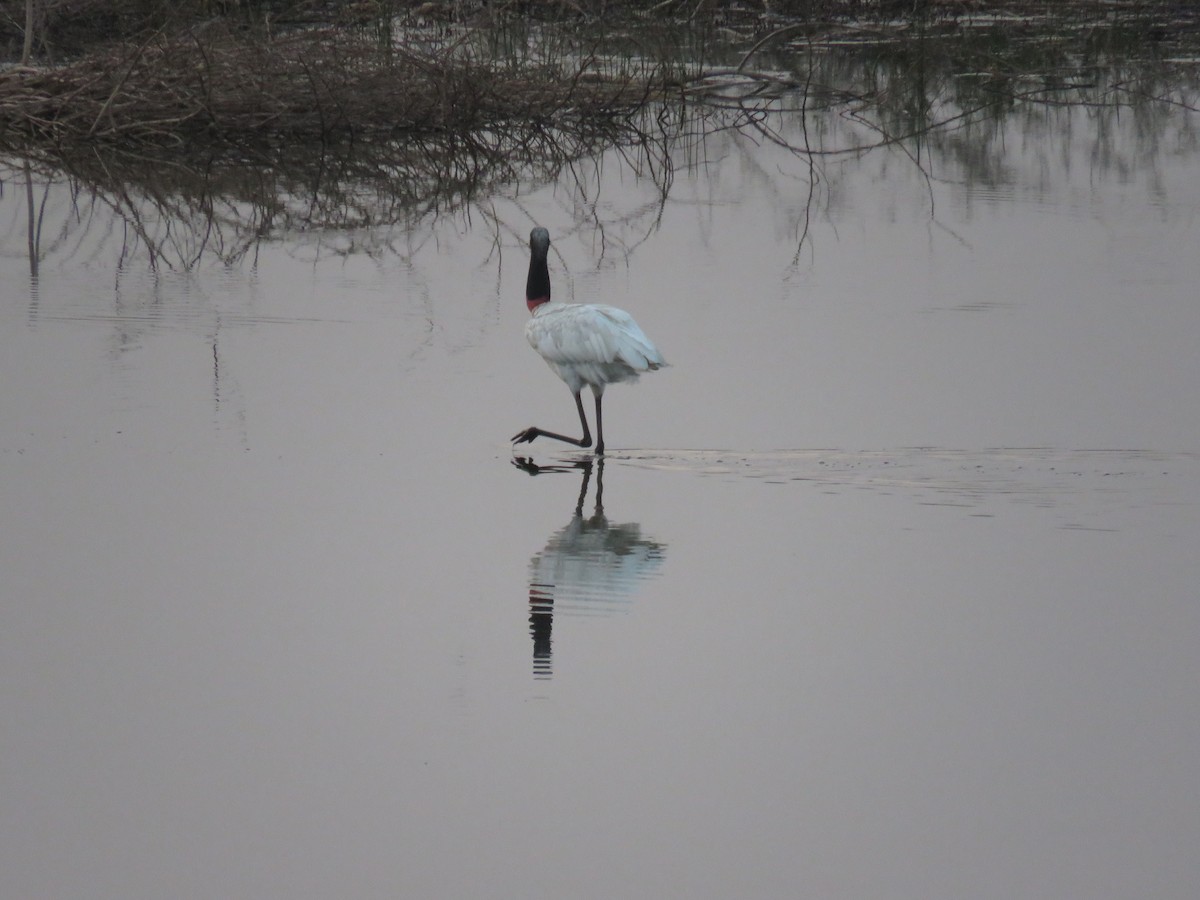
887 588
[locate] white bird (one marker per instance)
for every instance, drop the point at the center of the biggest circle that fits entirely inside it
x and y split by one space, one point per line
584 343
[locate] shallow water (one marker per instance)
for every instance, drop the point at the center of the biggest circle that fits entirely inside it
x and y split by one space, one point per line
887 587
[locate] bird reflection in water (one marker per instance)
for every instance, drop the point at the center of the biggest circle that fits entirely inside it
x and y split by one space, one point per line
588 567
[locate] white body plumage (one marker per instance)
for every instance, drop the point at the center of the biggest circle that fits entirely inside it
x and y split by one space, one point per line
591 344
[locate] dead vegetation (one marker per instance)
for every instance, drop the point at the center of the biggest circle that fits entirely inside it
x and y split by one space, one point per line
228 73
311 83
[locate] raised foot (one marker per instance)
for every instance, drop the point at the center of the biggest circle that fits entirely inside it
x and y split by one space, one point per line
532 432
525 436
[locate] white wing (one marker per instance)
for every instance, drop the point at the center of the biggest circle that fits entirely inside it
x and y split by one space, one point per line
591 344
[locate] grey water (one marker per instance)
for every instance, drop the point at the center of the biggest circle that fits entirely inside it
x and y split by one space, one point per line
887 587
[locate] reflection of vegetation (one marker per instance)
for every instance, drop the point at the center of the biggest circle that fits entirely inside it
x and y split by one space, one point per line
906 79
203 143
177 210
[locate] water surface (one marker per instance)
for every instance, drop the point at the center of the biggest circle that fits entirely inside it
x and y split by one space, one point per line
886 588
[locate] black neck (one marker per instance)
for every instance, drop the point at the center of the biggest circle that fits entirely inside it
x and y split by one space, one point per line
537 287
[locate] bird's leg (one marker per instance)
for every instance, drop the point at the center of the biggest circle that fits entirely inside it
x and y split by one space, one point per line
586 441
532 432
599 426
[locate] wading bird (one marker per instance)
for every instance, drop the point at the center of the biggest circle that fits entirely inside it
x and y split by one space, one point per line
584 343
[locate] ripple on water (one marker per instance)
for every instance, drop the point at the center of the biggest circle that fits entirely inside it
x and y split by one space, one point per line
1042 477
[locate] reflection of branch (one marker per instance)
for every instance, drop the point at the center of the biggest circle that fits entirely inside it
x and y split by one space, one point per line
1142 94
176 210
779 32
32 225
812 167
